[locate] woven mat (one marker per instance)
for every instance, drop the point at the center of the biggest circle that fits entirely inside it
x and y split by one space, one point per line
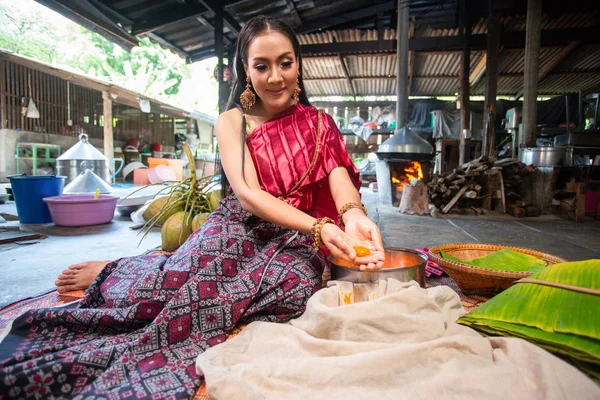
53 299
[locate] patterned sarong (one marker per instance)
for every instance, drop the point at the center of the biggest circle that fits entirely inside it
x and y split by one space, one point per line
143 321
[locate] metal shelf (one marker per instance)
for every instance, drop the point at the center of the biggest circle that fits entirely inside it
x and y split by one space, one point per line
45 148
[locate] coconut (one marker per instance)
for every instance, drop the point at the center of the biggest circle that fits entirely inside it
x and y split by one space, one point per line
214 198
162 203
199 220
176 229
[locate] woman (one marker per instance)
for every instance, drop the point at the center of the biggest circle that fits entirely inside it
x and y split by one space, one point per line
144 319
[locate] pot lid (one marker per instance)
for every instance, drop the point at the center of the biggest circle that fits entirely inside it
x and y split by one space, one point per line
405 141
83 150
88 182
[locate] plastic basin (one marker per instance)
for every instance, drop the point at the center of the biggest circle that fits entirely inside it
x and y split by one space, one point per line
29 190
81 210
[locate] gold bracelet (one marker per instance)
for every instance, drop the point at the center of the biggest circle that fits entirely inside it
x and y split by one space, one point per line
316 231
348 206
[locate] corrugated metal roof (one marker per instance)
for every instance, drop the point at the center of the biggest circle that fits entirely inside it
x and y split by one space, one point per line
446 65
383 65
434 87
187 27
585 57
322 67
564 83
373 87
512 61
568 20
330 87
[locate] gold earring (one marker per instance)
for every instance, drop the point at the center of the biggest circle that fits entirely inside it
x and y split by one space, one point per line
297 90
247 98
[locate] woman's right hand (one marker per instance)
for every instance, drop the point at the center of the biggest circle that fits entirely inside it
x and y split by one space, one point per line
341 246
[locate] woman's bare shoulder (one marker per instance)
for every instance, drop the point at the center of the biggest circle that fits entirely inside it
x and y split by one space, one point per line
228 122
230 116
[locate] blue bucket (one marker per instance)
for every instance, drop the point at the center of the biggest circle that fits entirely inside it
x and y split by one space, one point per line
29 191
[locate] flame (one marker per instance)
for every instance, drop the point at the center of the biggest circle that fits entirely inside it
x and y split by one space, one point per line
395 180
413 170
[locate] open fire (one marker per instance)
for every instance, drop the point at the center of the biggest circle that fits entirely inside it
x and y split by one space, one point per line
412 170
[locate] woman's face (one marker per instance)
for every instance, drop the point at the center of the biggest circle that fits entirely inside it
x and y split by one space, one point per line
273 70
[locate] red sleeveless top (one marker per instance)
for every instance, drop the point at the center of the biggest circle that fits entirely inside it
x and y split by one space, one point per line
283 149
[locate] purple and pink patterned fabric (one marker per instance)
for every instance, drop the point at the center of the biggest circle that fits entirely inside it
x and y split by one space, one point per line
140 326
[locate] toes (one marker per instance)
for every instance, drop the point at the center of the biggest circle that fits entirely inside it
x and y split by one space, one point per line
70 271
66 288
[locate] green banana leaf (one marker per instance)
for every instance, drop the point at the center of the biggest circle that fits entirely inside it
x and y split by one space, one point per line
503 260
563 321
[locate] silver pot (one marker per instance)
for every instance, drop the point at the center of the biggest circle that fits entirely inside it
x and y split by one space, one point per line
547 156
80 157
401 264
73 168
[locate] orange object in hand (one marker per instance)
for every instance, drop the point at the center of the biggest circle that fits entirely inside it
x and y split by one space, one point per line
362 251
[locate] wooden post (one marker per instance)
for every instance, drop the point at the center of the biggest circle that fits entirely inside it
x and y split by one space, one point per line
3 93
109 151
3 119
402 68
530 79
465 109
218 24
491 77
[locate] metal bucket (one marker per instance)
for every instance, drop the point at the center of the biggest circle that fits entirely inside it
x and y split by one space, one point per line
547 156
73 168
401 264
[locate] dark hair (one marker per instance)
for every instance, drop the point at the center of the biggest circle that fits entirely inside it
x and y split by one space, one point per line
255 27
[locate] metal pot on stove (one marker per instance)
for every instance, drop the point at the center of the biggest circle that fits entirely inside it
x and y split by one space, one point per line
81 157
547 156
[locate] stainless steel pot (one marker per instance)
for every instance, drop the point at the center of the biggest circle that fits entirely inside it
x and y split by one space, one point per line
547 156
80 157
401 264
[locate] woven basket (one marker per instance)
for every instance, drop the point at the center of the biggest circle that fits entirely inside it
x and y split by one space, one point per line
472 280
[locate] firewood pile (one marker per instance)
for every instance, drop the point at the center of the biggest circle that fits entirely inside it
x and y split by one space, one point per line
482 185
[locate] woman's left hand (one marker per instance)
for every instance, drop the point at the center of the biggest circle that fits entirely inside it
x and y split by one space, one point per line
365 232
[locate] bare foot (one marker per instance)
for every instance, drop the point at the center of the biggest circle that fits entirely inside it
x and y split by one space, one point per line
79 276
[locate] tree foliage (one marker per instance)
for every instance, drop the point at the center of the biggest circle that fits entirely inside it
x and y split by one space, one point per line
147 69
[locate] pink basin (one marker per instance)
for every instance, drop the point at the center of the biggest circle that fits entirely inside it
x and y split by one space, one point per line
81 210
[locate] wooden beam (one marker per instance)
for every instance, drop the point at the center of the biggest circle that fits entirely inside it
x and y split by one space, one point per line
180 14
109 30
478 71
530 78
218 22
491 80
294 13
229 21
548 69
380 27
402 65
435 77
343 64
199 55
124 96
3 93
411 57
465 114
455 44
109 149
351 15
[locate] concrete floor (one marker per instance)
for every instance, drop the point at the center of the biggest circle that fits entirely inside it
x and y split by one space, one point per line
26 270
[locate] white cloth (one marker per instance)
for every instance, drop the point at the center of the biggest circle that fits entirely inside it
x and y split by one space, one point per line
403 345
